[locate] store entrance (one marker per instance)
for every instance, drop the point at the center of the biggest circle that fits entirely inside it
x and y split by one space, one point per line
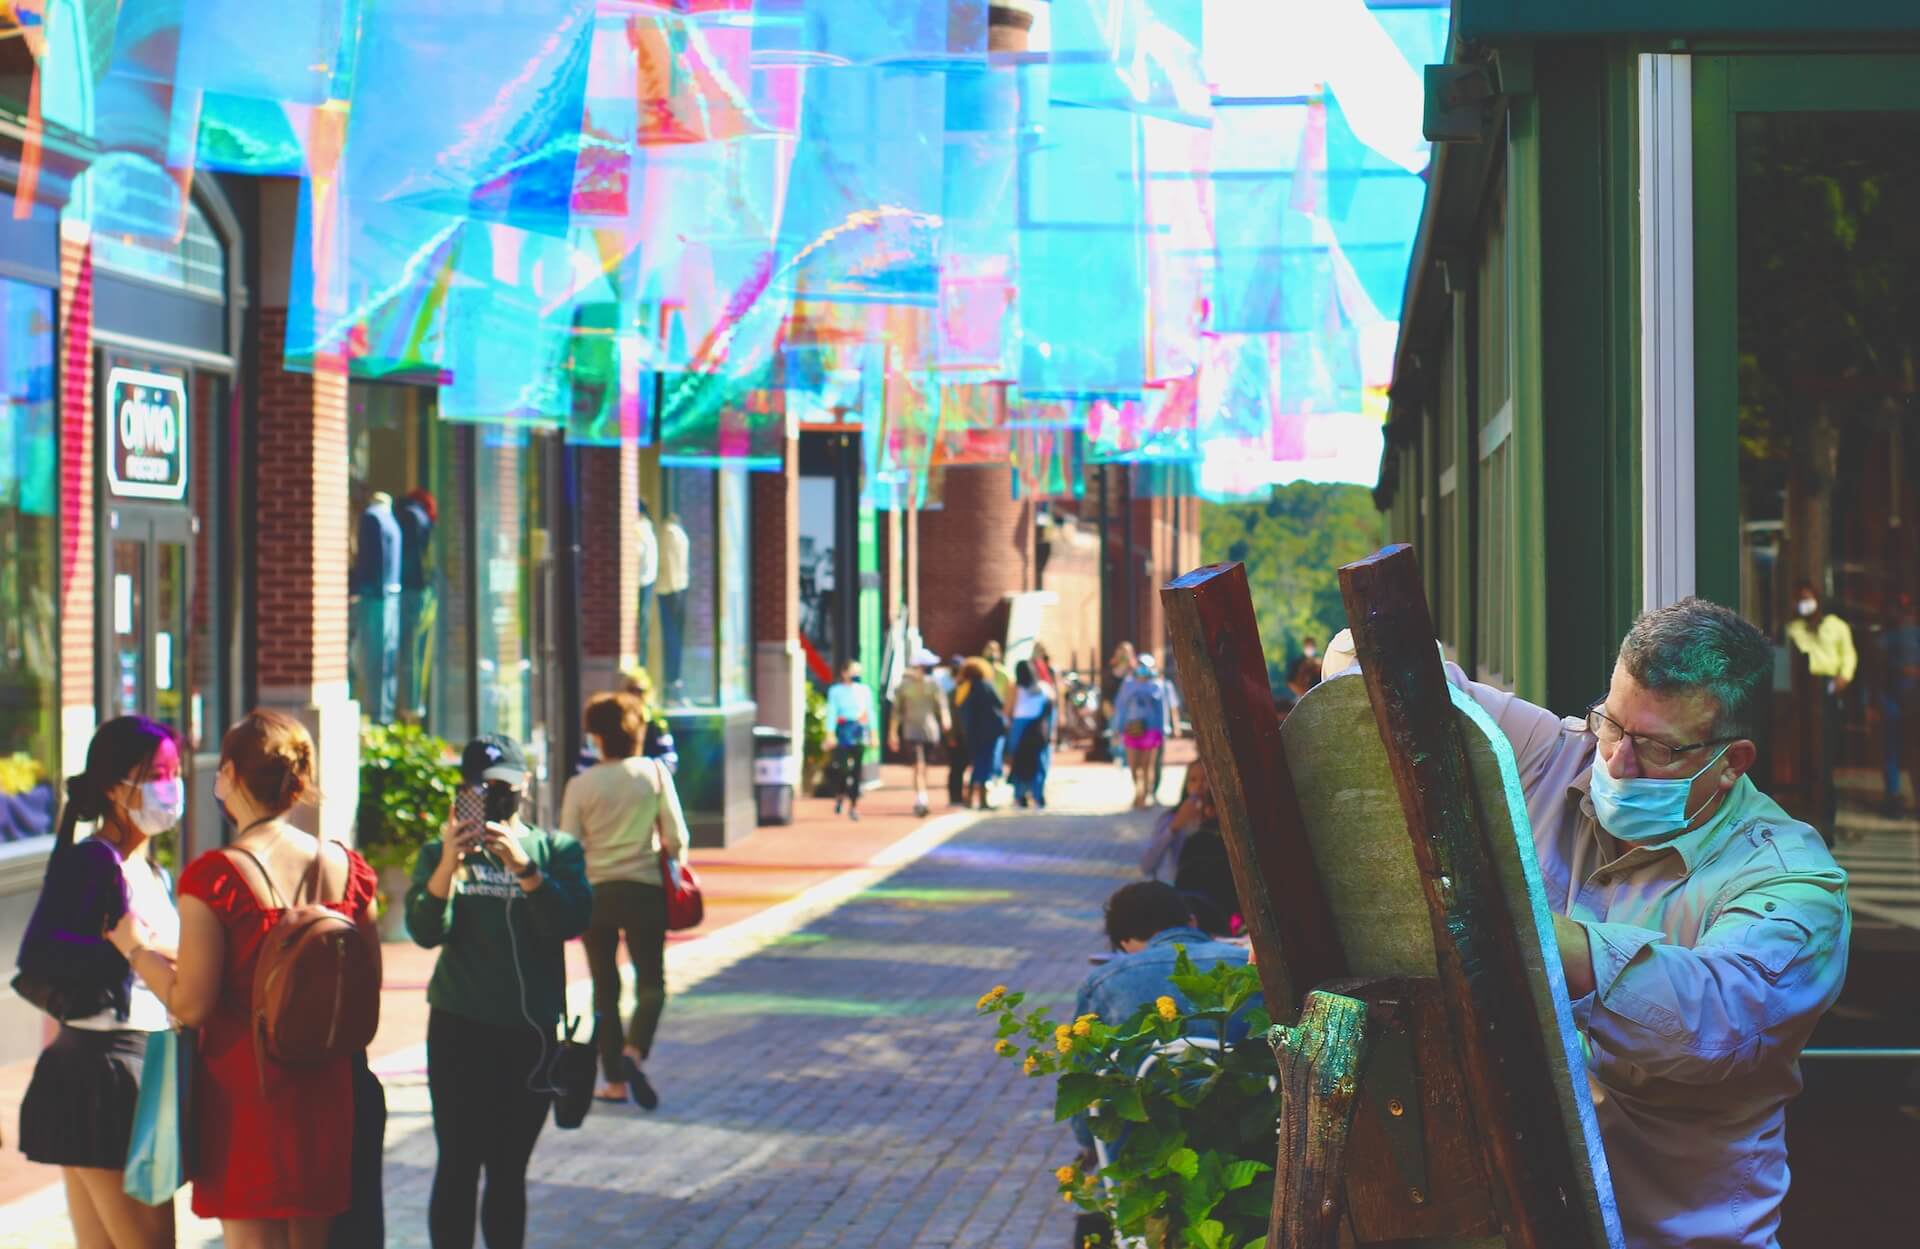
147 578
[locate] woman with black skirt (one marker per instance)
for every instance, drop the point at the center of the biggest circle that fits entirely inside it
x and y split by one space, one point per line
78 1110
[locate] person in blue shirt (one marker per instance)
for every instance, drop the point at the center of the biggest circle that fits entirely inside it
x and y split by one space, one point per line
1148 923
850 720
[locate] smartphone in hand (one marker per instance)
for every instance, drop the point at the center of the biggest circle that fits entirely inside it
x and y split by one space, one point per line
469 819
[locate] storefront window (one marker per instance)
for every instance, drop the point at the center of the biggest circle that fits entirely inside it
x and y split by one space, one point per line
1829 511
507 501
696 622
408 579
29 563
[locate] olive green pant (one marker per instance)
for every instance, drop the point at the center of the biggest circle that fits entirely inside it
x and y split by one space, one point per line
640 912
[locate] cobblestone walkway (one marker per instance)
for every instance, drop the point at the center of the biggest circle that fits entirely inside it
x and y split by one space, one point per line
833 1090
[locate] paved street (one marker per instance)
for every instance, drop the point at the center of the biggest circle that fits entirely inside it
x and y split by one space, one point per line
828 1084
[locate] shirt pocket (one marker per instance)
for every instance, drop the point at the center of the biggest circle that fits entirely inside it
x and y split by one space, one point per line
1775 935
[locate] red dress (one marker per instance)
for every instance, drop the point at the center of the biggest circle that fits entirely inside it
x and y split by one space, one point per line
287 1155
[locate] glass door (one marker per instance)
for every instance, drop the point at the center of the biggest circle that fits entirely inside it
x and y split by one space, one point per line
148 589
1807 321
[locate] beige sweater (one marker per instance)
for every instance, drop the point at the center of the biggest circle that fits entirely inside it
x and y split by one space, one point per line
623 811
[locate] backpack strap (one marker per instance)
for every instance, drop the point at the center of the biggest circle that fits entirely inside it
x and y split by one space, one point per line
273 891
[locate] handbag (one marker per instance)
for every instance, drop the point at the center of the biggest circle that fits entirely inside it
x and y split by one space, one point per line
571 1073
162 1143
685 905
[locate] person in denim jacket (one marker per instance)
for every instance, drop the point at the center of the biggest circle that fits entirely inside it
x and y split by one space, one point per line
1148 923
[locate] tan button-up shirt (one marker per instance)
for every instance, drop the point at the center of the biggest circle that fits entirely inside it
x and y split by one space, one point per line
1714 955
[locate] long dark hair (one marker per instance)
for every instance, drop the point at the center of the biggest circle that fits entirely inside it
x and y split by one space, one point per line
121 748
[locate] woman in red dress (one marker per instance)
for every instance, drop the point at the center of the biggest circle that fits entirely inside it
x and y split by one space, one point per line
273 1167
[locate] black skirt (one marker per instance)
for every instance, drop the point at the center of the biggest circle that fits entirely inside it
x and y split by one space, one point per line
78 1110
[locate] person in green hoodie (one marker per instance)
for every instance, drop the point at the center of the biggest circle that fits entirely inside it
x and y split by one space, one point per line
500 900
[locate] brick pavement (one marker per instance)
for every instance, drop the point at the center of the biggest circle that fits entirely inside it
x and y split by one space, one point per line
826 1081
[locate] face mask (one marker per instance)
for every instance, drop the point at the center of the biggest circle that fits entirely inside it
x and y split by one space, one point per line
1808 606
1642 811
162 803
1311 651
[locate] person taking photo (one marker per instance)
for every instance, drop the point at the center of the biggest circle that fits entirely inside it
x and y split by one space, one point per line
499 899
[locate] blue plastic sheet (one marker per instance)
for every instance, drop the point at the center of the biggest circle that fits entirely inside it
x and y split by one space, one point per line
472 112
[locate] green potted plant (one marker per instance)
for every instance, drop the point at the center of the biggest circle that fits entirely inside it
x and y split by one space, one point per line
815 753
1189 1140
407 782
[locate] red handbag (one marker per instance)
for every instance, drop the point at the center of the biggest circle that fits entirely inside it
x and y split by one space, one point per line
685 906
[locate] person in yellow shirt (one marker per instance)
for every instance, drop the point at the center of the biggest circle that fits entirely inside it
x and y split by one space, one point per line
1827 642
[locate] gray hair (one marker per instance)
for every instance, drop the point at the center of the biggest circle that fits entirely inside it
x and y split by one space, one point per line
1699 646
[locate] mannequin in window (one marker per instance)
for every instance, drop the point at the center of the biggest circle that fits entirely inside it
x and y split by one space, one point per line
374 589
649 552
416 515
672 589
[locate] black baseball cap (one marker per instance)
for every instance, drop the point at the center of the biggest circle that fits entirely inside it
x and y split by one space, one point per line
493 757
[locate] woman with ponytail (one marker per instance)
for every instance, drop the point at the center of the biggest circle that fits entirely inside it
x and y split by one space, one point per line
273 1143
78 1110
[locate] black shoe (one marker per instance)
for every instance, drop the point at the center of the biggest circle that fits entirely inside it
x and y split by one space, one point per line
837 804
637 1086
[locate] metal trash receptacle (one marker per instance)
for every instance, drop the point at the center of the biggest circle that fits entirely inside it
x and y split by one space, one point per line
776 774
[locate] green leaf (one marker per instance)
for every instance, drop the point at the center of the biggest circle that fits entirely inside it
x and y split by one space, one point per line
1126 1103
1242 1173
1256 1244
1078 1090
1008 1026
1184 1163
1136 1206
1206 1234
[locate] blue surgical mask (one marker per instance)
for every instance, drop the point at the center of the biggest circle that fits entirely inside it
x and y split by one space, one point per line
1643 811
162 803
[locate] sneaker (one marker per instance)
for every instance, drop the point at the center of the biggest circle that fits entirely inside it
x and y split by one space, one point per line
853 813
641 1091
919 809
837 804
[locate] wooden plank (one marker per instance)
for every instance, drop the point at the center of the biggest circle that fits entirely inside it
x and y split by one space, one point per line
1223 681
1320 1063
1542 1172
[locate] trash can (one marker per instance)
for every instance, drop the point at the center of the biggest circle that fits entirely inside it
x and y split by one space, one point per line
776 773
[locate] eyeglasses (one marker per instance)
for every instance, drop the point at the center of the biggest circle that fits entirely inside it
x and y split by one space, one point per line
1648 750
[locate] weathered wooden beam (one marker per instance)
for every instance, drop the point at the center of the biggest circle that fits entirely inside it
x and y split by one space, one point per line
1481 964
1320 1061
1223 681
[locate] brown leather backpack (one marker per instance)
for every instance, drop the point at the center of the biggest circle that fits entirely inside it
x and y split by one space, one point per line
316 985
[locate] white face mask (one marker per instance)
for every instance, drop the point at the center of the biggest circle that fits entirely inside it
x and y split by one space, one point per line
1809 606
162 803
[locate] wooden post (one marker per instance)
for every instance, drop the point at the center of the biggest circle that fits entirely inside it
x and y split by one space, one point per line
1320 1063
1223 681
1503 1053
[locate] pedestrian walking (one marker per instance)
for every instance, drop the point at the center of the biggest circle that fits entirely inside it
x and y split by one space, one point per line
1030 729
499 899
919 720
1142 710
1120 666
79 1106
624 811
983 722
958 757
1827 642
657 742
850 720
273 1142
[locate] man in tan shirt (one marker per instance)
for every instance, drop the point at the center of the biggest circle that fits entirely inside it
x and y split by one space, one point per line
1703 931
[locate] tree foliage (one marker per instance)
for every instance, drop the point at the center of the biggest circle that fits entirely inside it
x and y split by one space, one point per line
1293 544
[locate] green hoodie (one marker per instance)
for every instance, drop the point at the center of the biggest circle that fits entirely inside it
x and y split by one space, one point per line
474 977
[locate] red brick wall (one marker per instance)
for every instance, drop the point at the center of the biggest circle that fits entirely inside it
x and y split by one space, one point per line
974 551
775 504
608 580
76 474
303 516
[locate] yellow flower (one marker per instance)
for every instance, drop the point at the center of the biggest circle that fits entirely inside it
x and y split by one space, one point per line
1063 1032
991 996
1067 1197
1066 1175
1082 1028
1166 1007
1031 1065
1003 1047
1064 1045
1088 1019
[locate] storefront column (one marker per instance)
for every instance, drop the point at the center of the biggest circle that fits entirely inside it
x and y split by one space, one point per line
77 619
779 673
609 565
975 553
302 522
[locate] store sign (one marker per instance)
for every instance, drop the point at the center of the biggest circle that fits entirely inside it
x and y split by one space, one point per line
146 435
